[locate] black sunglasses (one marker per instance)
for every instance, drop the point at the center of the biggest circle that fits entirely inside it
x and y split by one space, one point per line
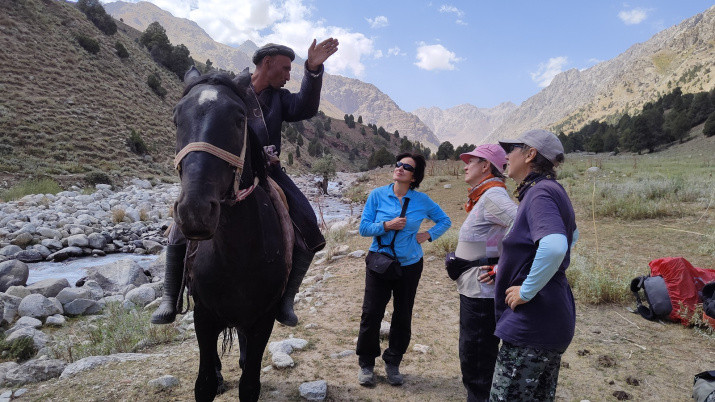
510 147
405 166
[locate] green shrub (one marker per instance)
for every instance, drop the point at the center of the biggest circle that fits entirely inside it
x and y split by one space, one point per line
89 44
154 82
31 186
96 13
445 244
136 143
595 284
94 178
121 331
20 349
121 50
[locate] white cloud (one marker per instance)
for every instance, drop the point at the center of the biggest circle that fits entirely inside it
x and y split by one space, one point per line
634 16
449 9
395 51
378 54
547 71
378 22
435 57
288 22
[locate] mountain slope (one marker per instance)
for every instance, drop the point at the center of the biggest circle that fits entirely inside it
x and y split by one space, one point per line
464 123
682 55
344 95
65 111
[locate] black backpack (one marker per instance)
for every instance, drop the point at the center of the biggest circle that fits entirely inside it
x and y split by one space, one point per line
656 294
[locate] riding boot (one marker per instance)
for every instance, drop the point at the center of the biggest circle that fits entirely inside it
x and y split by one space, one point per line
301 262
166 313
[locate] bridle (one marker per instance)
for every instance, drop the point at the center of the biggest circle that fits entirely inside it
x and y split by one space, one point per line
236 162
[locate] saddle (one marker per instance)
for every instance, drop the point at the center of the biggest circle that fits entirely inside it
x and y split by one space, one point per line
280 203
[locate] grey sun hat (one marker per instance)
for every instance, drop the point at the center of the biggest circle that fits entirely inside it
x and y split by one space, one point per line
271 49
546 142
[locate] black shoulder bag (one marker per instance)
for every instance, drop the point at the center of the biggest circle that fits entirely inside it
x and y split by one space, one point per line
384 265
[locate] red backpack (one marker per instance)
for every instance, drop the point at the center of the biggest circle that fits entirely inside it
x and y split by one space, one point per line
684 283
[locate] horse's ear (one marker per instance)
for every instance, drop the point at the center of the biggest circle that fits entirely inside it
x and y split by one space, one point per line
191 75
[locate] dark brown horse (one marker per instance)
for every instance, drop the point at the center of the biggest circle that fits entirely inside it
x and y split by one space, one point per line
236 267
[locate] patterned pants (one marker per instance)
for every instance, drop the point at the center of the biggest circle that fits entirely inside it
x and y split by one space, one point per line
524 373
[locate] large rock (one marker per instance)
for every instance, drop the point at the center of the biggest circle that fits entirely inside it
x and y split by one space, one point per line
4 368
78 240
10 251
69 294
82 307
314 390
38 306
114 276
65 253
32 371
29 256
39 339
97 241
10 304
13 273
18 291
141 296
91 362
22 239
49 287
94 288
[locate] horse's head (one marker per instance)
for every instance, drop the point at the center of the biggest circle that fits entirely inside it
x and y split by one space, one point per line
210 124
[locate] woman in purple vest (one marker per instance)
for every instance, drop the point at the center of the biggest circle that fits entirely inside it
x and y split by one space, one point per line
534 305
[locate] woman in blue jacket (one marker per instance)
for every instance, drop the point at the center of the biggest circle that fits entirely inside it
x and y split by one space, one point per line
381 218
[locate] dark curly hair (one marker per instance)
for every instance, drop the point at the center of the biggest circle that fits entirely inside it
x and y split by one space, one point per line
419 172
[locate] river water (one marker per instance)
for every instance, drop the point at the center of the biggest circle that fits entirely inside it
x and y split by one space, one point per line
327 209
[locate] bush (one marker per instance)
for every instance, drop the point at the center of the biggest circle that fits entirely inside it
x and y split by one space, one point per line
136 143
89 44
154 82
709 128
20 349
94 178
98 15
121 50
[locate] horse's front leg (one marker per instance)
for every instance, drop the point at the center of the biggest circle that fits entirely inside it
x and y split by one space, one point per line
209 379
249 387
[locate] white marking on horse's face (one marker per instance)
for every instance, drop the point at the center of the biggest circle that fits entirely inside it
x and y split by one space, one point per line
208 95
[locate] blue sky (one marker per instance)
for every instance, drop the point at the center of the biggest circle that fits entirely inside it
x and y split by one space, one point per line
433 53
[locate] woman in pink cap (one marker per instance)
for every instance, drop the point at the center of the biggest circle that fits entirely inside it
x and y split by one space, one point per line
490 214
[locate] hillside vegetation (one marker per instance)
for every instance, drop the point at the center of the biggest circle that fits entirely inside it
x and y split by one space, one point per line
79 117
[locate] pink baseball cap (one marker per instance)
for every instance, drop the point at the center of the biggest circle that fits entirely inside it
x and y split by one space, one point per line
494 153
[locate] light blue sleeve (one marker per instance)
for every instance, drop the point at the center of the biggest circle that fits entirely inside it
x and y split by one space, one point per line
574 239
368 226
551 252
441 220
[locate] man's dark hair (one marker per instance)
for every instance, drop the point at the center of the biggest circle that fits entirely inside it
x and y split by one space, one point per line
419 172
541 165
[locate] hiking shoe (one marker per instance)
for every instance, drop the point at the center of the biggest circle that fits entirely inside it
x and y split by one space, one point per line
366 376
393 374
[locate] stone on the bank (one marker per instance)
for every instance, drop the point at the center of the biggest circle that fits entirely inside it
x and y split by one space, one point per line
116 275
281 360
94 288
70 294
56 320
280 347
22 240
29 322
18 291
96 241
78 240
49 287
37 306
357 254
164 382
82 307
4 368
13 273
52 244
152 247
49 233
314 390
39 338
65 253
34 371
29 256
9 307
10 251
141 296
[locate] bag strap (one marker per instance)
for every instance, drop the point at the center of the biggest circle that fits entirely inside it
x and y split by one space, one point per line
405 202
636 286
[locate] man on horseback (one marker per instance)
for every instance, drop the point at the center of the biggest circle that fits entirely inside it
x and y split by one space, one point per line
268 106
